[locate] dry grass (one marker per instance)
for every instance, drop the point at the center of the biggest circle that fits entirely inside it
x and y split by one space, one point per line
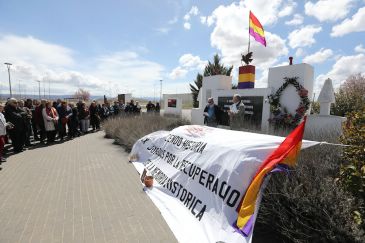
308 205
126 130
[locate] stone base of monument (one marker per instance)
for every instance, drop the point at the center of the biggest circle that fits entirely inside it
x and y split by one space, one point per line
319 127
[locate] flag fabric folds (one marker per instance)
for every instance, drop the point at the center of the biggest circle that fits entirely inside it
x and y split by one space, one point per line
285 155
256 29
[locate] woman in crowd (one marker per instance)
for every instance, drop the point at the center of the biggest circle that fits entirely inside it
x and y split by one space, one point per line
3 126
84 116
50 118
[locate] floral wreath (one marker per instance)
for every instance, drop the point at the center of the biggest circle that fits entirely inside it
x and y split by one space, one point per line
282 118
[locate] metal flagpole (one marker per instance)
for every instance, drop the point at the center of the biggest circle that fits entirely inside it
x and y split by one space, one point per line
249 36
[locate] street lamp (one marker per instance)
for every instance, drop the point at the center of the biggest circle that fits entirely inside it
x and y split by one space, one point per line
160 90
39 88
8 66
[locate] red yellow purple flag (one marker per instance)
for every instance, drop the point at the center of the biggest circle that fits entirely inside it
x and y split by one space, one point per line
256 29
287 154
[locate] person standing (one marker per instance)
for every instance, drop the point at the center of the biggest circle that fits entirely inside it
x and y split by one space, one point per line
236 113
150 107
40 121
64 113
50 117
212 114
138 108
116 108
73 122
3 126
14 116
94 116
157 108
84 116
27 116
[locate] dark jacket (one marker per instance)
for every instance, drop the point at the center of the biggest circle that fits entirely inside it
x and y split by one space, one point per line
15 116
217 113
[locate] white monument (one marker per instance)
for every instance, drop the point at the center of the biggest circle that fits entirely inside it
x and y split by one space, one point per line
324 124
220 87
172 105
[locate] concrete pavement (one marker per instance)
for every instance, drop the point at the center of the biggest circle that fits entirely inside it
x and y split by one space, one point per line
83 190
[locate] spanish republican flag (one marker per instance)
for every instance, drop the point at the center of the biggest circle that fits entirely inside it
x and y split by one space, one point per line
287 154
256 29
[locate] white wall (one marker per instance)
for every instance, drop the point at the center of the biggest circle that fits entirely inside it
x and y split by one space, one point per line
290 98
170 110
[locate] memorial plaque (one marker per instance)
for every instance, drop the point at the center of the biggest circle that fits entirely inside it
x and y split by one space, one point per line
253 110
171 103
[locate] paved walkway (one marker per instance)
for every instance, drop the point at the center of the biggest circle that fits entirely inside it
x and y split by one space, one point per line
83 190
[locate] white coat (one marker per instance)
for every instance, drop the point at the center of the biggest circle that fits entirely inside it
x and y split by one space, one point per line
49 124
2 125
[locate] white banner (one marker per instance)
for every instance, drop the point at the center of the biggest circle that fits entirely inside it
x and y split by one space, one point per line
200 176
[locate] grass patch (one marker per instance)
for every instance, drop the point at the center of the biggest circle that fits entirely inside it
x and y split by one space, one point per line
126 130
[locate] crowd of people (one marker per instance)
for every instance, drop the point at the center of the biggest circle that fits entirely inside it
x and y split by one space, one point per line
24 122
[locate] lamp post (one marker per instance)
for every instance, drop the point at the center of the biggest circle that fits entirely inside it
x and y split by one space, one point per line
39 88
160 90
8 66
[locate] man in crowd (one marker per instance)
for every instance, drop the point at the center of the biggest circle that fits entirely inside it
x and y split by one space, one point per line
27 116
116 108
14 116
94 116
131 108
236 113
64 114
39 120
212 114
150 107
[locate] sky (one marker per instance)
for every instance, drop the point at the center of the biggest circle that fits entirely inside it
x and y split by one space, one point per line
114 46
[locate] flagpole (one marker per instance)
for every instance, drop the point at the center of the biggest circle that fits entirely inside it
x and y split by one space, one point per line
249 36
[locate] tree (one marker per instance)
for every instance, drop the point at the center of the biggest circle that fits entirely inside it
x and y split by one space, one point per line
216 68
82 94
350 97
195 89
211 69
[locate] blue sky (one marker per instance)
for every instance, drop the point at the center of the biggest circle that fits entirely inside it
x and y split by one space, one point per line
110 46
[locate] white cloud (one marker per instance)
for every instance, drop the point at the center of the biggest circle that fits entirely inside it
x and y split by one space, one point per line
266 11
344 67
300 52
303 36
34 59
178 72
288 9
328 10
35 51
319 57
187 26
360 49
203 19
163 30
194 11
230 37
297 20
355 24
187 63
173 21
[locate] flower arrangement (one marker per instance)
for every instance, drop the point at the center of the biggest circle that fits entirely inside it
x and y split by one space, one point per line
282 118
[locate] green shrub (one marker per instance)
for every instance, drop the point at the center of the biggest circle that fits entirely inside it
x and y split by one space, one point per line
350 97
352 173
